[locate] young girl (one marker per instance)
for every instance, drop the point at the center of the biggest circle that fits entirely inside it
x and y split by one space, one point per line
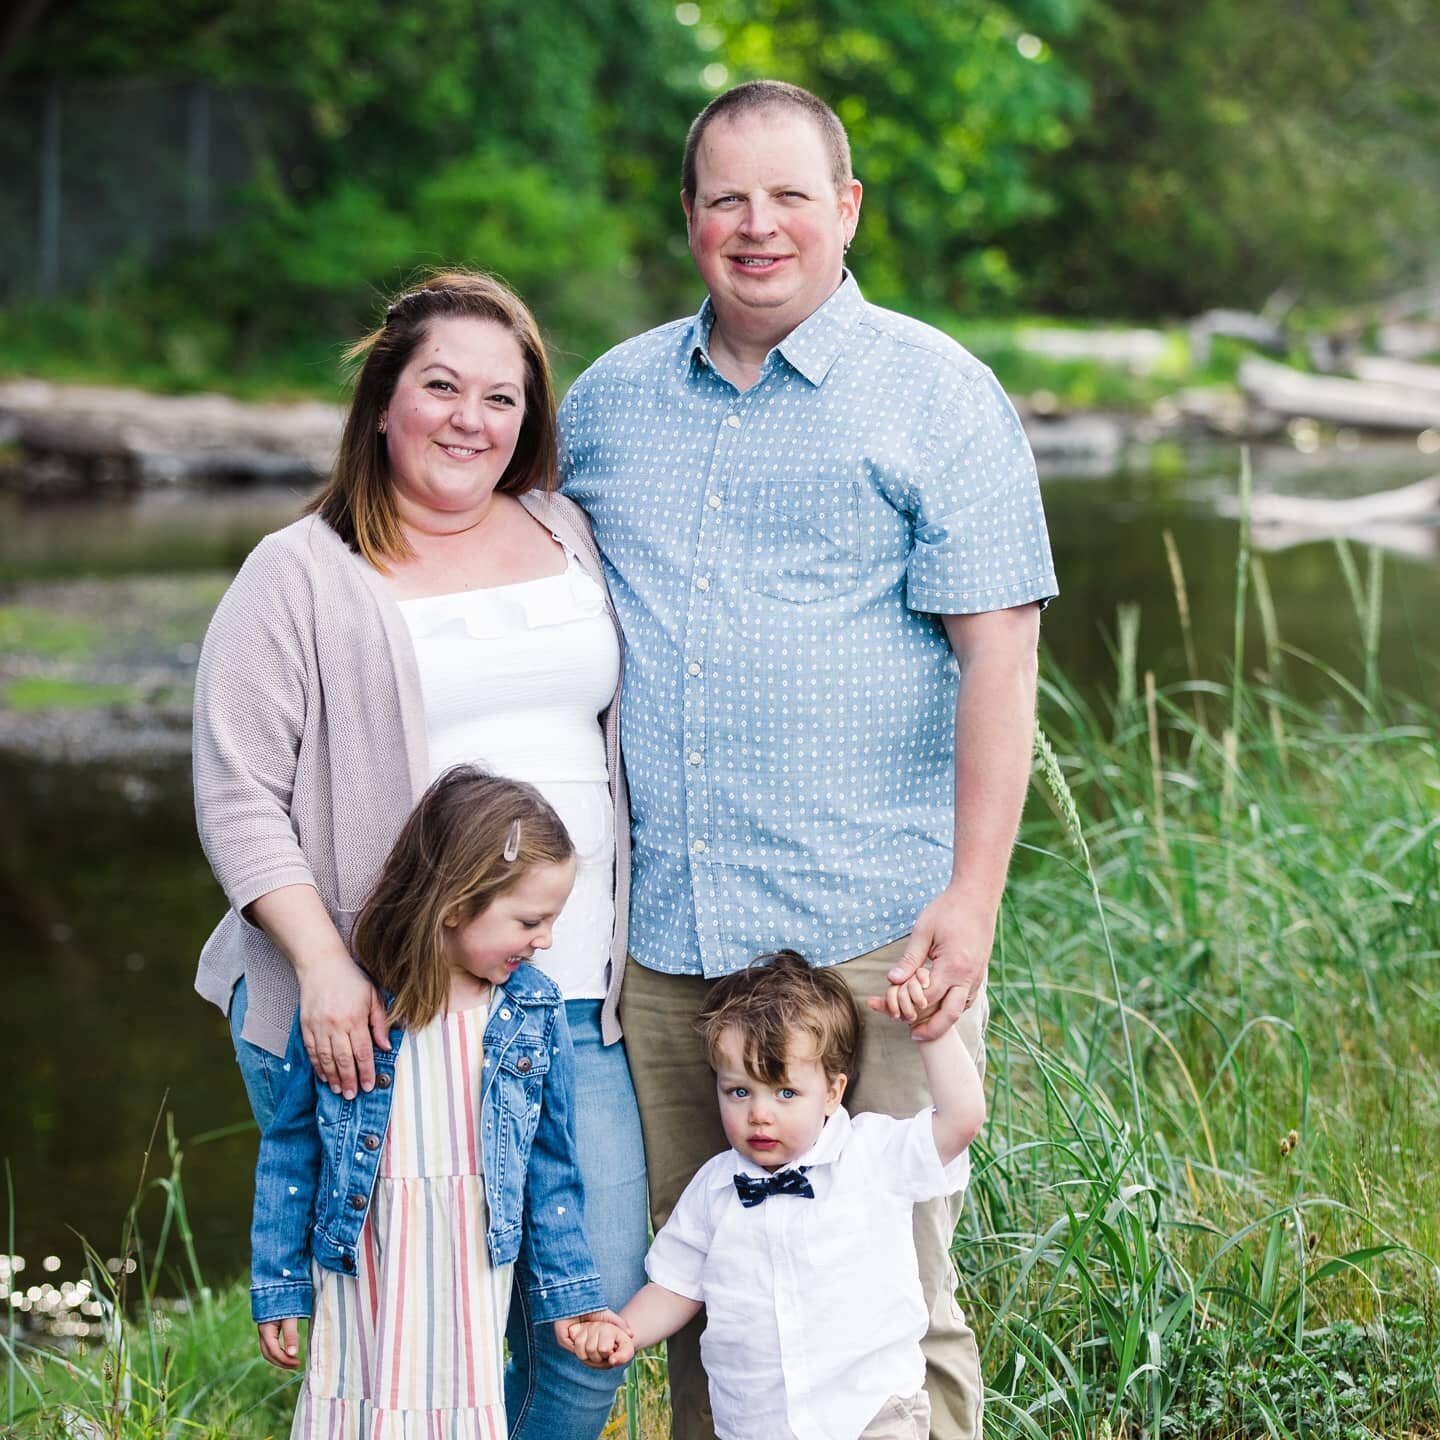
394 1219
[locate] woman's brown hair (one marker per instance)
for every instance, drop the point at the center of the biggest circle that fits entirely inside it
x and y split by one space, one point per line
469 840
357 501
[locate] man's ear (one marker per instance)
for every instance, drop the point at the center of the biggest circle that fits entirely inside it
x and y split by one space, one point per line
687 204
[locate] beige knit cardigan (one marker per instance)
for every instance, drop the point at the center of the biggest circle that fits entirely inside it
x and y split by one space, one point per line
310 750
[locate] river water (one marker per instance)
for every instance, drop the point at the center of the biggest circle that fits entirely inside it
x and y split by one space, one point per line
105 897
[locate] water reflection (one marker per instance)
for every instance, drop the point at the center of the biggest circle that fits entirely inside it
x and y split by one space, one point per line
105 897
103 906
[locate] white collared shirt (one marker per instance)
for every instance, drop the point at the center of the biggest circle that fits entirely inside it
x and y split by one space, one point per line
814 1312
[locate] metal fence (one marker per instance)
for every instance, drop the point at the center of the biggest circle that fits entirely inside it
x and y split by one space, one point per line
96 176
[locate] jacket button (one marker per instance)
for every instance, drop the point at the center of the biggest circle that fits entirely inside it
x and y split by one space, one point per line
523 1065
382 1081
357 1202
347 1264
370 1142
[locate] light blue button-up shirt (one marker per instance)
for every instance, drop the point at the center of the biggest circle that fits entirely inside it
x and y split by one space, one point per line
778 559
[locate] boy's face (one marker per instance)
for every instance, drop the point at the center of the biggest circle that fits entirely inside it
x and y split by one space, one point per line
773 1125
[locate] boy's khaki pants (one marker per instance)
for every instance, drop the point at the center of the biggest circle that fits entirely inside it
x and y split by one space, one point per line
680 1119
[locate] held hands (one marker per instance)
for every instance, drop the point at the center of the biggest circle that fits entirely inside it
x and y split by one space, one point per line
280 1342
908 1001
340 1013
601 1339
954 936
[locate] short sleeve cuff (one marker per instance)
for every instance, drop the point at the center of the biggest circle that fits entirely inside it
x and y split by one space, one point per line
934 600
920 1171
679 1279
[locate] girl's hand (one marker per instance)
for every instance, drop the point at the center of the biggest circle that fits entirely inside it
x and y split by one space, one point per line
340 1014
602 1340
280 1342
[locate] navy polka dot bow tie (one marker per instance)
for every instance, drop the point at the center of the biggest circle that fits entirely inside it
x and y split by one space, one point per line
783 1182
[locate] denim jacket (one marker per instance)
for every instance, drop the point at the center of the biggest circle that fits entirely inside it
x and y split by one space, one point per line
320 1155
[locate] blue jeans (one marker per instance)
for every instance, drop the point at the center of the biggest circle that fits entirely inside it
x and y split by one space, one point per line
262 1072
550 1395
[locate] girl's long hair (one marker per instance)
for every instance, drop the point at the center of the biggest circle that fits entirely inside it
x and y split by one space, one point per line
449 862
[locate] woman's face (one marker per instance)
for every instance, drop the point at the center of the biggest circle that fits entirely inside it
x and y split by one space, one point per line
453 420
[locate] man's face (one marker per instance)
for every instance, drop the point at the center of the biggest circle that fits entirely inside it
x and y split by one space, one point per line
767 227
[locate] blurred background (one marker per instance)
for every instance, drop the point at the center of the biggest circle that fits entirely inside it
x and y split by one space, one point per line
1172 229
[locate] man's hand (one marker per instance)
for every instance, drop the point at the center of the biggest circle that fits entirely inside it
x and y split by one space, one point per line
953 939
340 1015
280 1343
601 1339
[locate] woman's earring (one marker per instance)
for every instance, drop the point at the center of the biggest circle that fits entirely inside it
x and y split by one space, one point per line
381 426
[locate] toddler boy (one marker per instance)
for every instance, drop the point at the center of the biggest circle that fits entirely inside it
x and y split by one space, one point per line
797 1240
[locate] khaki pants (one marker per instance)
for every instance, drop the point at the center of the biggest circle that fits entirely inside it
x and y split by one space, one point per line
681 1123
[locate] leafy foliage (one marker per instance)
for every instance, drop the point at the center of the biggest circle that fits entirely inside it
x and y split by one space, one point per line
1070 156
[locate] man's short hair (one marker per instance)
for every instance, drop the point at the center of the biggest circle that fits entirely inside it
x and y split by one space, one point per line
776 997
755 96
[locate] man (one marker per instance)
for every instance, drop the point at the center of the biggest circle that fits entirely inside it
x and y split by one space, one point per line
823 533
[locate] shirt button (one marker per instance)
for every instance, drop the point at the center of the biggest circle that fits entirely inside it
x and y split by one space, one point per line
504 1014
382 1081
698 847
357 1202
347 1264
692 668
694 757
523 1065
733 421
370 1142
714 502
703 583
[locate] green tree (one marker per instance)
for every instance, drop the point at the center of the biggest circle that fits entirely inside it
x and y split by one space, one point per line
948 105
528 137
1234 148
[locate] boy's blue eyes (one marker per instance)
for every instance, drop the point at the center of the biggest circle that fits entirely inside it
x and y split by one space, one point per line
742 1092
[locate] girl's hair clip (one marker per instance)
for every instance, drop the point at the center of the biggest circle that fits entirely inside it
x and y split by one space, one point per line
512 842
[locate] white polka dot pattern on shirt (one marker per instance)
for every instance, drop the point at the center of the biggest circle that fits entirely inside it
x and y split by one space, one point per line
777 559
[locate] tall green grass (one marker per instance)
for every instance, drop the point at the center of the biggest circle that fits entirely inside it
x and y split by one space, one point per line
1207 1203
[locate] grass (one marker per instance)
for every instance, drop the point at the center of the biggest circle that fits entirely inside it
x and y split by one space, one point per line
1206 1205
40 632
47 692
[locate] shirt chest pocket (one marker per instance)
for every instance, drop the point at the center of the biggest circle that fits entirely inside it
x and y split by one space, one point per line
522 1076
804 539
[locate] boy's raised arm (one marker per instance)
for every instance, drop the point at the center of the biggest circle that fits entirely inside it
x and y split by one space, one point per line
955 1084
957 1090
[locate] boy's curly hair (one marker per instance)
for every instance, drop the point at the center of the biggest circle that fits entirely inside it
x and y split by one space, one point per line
774 997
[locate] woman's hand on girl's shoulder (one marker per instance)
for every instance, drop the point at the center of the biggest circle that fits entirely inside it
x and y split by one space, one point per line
342 1018
280 1342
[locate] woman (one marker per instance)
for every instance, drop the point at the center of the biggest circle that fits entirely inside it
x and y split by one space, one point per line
439 603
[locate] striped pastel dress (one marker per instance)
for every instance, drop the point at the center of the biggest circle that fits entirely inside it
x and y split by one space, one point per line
409 1347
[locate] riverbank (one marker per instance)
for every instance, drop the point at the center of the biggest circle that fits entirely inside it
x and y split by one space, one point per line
102 670
1205 1205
